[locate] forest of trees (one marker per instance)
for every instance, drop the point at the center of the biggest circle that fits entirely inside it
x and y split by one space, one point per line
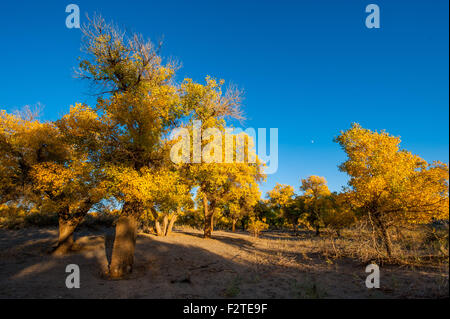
116 154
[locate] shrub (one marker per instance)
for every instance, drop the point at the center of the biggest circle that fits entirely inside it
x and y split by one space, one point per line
256 226
17 217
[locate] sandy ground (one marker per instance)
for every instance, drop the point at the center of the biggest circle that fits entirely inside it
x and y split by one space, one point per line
185 265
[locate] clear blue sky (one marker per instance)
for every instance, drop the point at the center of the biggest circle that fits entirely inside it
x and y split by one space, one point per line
309 68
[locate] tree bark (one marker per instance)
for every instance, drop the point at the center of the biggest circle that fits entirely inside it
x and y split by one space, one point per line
384 236
68 222
208 218
170 226
125 241
165 224
233 225
67 227
208 226
158 229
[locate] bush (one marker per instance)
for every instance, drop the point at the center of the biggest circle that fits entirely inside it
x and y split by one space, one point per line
256 226
17 217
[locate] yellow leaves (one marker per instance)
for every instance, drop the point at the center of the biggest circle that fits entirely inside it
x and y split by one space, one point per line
24 142
209 103
281 195
80 125
80 115
241 198
315 187
151 187
338 213
256 226
66 182
390 181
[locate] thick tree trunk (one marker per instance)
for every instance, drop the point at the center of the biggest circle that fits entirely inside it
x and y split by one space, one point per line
233 225
159 231
165 224
170 226
208 226
122 258
67 227
68 222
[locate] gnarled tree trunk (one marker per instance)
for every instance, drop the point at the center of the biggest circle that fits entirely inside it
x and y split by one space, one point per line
165 224
208 218
171 223
159 231
122 258
384 236
68 222
65 240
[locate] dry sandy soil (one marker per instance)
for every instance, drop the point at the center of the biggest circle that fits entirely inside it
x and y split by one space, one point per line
185 265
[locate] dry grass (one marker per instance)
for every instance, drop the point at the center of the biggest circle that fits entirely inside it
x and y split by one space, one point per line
230 265
416 246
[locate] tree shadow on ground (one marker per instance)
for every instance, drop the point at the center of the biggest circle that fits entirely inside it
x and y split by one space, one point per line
246 242
175 268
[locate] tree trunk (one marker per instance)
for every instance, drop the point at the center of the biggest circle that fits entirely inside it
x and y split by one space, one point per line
208 226
233 225
68 222
172 222
165 224
65 240
294 225
125 241
158 229
208 219
385 237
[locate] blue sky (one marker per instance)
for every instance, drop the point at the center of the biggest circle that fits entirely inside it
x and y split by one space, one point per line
309 68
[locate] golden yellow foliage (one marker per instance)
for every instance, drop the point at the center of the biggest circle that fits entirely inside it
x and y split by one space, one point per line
391 182
390 185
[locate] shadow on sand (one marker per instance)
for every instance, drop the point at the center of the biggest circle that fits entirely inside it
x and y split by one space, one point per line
181 267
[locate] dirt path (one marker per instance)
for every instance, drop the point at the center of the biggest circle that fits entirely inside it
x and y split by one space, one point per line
185 265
